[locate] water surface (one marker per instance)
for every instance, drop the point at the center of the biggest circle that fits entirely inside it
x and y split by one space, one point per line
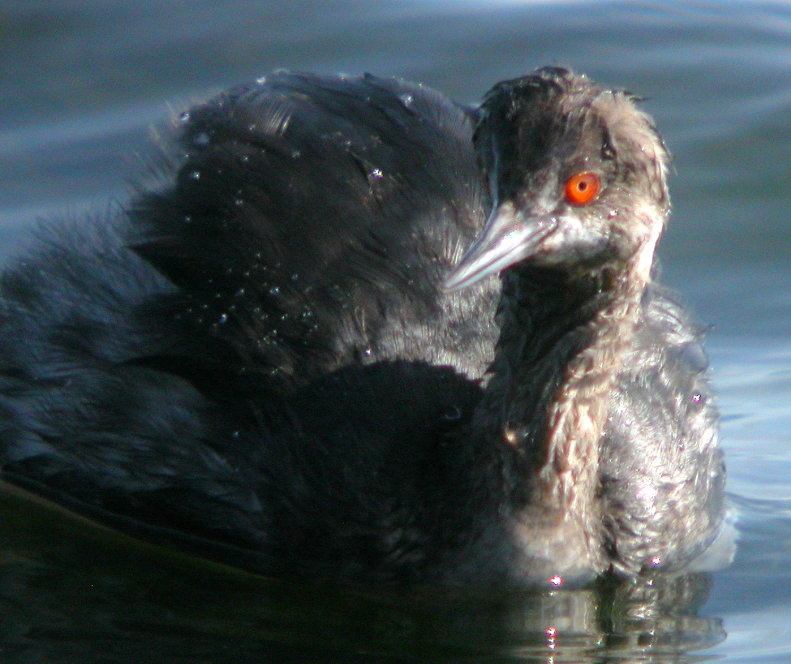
85 82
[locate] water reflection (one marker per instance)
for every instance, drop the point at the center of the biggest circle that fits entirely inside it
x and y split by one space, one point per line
71 591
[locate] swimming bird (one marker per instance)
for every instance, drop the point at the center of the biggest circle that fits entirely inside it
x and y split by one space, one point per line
267 358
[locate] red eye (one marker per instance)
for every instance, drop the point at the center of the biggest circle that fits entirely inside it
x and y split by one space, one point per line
582 188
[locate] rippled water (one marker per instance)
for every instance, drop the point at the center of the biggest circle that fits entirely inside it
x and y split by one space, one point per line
83 84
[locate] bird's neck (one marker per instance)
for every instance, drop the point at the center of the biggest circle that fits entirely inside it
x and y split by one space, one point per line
562 342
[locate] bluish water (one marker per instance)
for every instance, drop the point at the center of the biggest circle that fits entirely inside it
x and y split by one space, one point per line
83 83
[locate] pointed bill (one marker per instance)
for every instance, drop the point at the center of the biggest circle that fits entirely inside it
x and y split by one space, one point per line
507 238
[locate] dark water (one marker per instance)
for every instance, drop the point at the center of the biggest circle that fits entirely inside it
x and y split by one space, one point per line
83 83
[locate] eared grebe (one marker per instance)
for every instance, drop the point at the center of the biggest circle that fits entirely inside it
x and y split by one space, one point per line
266 360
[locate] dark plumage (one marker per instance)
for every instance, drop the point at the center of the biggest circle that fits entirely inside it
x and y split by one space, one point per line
259 360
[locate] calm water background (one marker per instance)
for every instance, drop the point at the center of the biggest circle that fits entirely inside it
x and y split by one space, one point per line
83 82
